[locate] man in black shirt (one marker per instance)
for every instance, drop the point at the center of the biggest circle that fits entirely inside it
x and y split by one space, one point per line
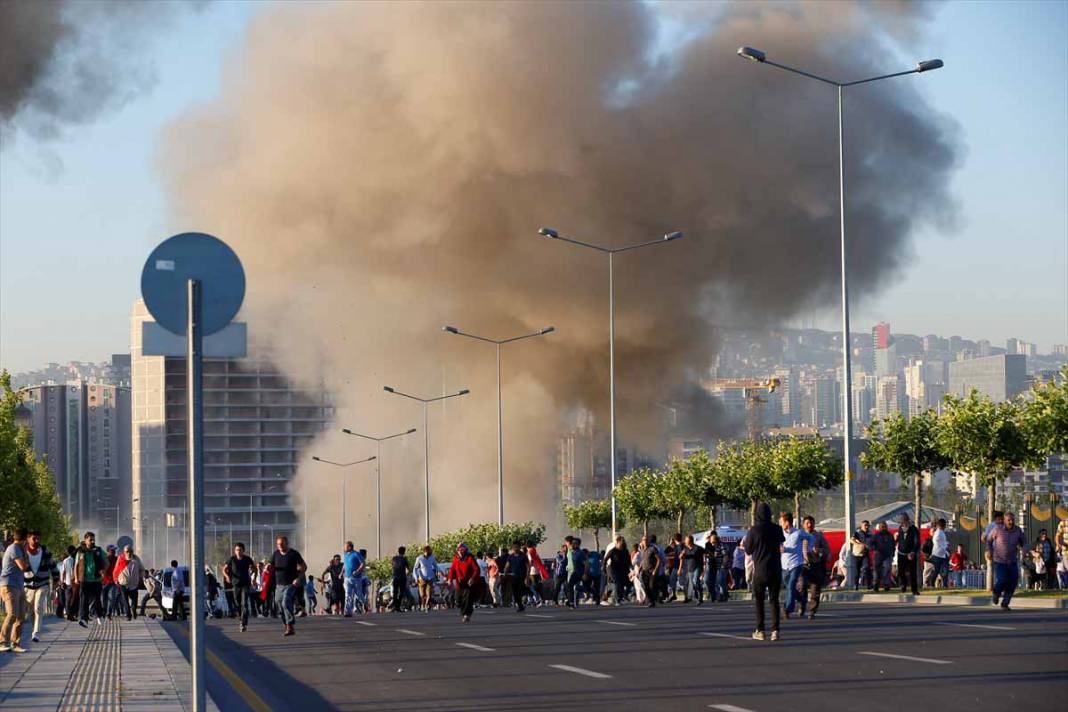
714 553
764 543
238 574
515 573
617 563
908 555
288 565
401 570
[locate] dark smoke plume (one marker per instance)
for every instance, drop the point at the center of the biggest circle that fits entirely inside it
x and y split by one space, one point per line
382 170
64 63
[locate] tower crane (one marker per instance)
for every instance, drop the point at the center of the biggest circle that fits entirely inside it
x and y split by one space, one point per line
752 390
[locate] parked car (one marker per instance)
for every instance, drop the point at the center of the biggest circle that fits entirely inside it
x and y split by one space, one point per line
166 579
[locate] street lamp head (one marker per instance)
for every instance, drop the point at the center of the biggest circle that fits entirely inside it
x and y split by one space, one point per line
450 329
673 235
388 389
346 431
548 232
548 330
753 55
929 64
463 392
410 431
373 457
316 459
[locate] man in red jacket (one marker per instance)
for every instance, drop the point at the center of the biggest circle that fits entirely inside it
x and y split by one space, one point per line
465 572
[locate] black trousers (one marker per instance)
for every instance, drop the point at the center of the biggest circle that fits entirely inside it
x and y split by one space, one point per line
906 573
465 599
400 590
130 595
241 603
619 585
649 584
89 595
767 582
815 587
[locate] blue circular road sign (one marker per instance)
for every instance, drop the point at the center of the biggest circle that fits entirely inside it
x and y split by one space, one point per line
193 255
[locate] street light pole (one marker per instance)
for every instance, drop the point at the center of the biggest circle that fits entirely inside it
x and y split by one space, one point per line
378 478
755 55
611 252
344 490
498 343
426 439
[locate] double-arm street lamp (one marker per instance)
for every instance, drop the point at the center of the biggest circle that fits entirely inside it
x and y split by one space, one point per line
755 55
611 252
344 498
500 424
426 439
378 478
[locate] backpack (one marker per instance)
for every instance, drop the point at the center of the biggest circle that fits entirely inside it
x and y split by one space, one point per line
928 547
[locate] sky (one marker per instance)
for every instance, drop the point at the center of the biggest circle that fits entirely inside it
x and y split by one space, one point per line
79 214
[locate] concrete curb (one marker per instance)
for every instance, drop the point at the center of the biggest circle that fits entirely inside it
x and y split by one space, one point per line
935 600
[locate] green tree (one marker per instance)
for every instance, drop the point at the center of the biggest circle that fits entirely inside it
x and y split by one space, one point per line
908 447
802 466
742 474
27 488
595 514
985 439
681 489
637 496
1043 417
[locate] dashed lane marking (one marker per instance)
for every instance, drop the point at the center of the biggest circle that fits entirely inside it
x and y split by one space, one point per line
977 625
907 657
614 622
581 671
480 648
410 632
365 623
539 615
727 635
729 708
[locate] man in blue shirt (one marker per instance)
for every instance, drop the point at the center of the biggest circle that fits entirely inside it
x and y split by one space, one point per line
354 565
794 548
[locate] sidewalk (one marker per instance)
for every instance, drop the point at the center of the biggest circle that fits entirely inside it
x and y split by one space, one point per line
131 666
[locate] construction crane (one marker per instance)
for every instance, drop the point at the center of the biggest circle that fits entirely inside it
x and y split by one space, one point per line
752 390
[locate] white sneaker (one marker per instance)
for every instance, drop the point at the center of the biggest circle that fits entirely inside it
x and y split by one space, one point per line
774 635
99 621
758 635
4 648
18 649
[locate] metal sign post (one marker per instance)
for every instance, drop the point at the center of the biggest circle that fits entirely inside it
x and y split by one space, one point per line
193 285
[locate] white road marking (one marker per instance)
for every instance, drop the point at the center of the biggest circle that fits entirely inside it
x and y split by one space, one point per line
365 623
977 625
409 632
581 671
908 657
614 622
729 708
727 635
480 648
539 615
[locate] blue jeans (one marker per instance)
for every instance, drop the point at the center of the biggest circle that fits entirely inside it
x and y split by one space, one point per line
285 596
693 585
1006 577
957 577
793 597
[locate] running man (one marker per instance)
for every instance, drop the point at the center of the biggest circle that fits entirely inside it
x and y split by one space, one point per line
1003 547
426 572
89 564
239 570
815 564
515 569
288 566
353 570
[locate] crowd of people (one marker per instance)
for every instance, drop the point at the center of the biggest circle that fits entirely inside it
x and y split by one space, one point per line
773 559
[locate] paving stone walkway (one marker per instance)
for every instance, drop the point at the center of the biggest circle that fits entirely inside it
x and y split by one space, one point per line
120 666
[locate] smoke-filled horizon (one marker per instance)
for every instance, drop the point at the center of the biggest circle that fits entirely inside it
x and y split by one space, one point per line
382 170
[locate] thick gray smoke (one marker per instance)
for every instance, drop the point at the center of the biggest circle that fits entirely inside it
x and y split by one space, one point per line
382 170
64 62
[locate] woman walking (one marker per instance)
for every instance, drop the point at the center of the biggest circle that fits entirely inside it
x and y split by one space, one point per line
467 578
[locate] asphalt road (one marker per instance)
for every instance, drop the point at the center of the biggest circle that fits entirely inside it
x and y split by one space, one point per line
874 657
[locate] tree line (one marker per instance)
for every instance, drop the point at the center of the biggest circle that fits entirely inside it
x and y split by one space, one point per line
971 434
